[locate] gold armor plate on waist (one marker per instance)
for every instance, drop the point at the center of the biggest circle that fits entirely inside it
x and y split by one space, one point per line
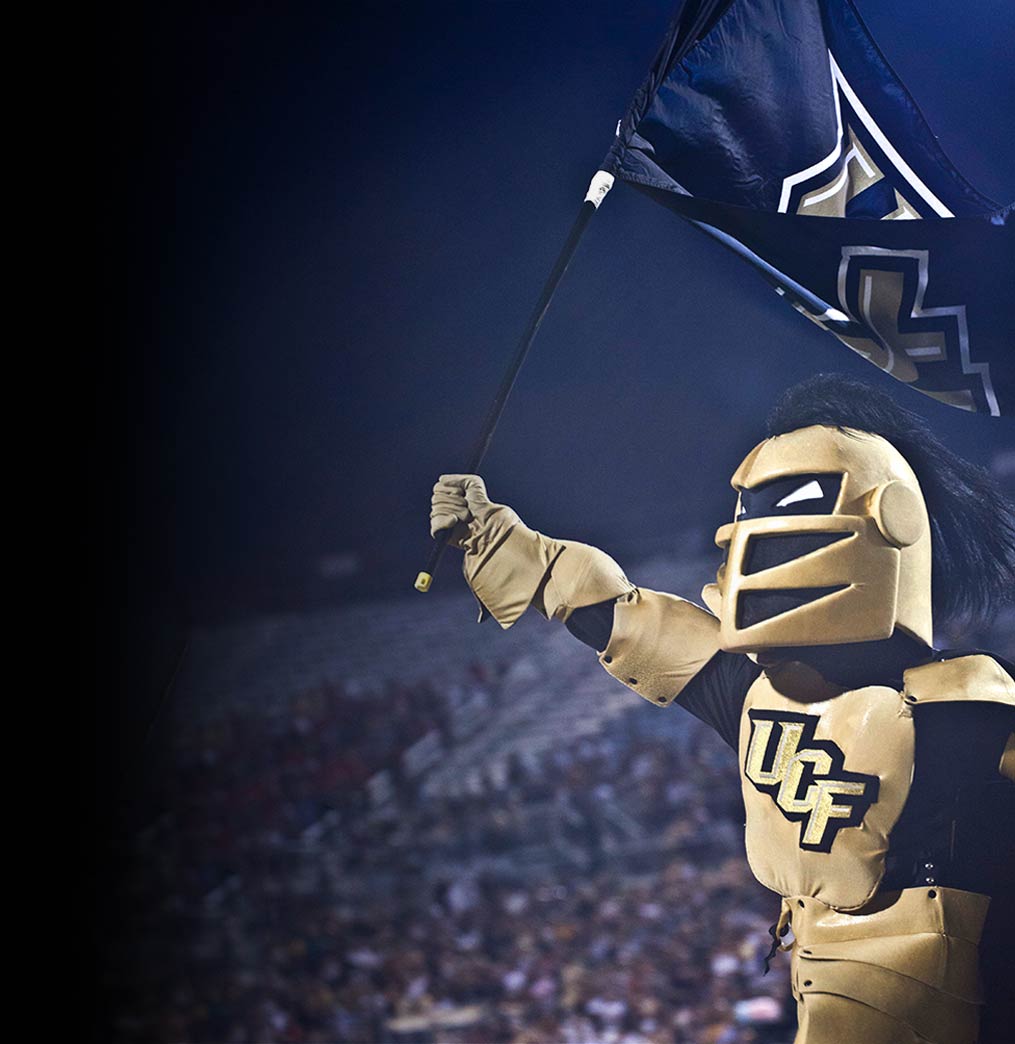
906 965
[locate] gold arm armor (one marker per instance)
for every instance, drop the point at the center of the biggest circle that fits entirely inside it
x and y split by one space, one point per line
519 567
659 643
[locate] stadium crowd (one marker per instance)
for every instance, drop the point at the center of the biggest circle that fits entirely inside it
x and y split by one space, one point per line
594 892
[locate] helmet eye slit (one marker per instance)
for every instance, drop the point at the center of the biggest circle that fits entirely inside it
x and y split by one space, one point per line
808 491
791 495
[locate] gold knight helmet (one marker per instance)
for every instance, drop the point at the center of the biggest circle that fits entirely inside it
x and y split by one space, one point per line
831 544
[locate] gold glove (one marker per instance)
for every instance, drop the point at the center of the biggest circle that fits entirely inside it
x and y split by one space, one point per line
461 501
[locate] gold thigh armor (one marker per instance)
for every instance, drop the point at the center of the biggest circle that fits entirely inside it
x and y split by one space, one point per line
902 970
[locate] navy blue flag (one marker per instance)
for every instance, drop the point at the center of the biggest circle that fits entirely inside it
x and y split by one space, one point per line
777 127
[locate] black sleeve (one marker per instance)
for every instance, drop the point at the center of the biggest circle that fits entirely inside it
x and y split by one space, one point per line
593 624
715 694
958 824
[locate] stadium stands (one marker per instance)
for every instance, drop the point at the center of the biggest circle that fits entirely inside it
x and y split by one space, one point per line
386 824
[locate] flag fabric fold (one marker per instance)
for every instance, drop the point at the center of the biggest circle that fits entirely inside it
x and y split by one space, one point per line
778 128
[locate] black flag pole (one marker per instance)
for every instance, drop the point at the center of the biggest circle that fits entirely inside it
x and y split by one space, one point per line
601 183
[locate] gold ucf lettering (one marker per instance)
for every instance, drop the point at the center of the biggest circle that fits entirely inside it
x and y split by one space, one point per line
805 777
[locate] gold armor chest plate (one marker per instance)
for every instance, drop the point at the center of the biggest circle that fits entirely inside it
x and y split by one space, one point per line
824 784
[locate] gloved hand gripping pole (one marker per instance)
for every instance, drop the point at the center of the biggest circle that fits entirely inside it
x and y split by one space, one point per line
601 183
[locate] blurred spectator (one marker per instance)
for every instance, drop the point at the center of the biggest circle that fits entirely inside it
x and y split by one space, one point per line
594 893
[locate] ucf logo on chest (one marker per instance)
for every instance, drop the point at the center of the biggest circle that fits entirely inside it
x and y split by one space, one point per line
805 777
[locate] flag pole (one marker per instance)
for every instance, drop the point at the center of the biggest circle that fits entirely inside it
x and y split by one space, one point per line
601 183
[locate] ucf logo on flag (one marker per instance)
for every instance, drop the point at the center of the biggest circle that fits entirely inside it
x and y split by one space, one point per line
805 777
776 127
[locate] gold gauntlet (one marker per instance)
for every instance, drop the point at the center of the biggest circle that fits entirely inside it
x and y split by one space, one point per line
510 567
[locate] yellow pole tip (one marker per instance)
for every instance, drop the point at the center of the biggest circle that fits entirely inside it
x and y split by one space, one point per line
423 582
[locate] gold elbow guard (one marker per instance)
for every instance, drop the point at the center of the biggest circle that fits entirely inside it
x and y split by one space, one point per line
659 643
581 576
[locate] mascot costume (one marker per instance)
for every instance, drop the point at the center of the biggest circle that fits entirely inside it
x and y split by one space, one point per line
876 770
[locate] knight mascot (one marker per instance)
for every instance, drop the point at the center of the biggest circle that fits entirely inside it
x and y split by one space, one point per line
876 769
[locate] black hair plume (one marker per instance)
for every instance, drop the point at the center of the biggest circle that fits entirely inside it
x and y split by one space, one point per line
972 522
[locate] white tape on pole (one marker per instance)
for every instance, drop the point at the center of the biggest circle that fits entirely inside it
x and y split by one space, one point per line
601 184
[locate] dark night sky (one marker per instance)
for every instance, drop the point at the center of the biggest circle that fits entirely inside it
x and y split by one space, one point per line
322 235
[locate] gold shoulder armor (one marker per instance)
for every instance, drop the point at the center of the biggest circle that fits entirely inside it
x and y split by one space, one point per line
659 643
978 678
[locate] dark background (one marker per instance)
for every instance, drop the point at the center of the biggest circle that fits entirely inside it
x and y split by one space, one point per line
321 230
325 229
